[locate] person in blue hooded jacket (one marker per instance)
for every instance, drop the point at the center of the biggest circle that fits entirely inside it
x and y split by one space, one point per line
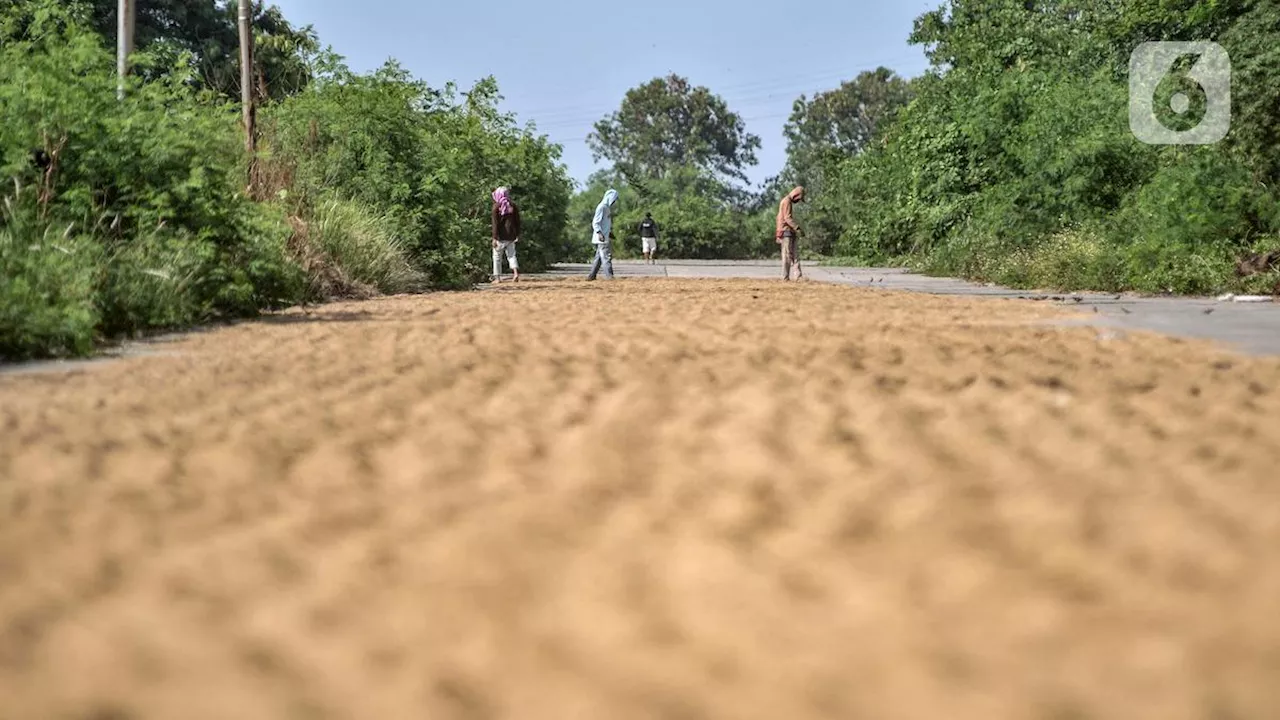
602 236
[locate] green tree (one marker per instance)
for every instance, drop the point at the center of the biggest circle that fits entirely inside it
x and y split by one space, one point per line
136 211
1015 162
841 122
205 32
667 124
835 125
130 215
700 215
424 158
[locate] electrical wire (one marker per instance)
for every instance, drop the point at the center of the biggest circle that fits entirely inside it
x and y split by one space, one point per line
735 96
744 96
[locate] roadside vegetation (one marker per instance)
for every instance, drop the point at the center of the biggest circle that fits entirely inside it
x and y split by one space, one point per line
120 217
1011 160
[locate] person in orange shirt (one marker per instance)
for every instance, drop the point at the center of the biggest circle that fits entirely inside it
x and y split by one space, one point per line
789 234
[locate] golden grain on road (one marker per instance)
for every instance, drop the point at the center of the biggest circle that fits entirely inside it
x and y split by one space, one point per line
646 499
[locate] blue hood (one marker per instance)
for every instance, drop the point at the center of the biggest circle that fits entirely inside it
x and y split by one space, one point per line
602 224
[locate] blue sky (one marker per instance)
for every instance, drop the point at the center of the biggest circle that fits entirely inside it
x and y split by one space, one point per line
567 63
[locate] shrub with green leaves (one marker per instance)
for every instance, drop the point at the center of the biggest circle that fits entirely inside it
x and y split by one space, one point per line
426 162
373 182
699 216
1015 162
49 283
154 183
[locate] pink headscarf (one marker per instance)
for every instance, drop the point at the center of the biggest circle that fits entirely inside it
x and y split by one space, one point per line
502 198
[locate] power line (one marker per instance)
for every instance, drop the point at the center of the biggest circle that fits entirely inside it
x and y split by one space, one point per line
757 91
756 118
585 122
762 92
735 105
783 80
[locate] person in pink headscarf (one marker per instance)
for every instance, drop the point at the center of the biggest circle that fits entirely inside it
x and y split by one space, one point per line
506 233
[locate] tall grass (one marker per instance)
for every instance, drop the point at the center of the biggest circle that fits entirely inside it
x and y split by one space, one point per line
350 250
47 294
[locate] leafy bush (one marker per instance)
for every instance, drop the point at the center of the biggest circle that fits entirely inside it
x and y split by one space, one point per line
1015 162
699 216
374 182
155 181
152 281
1199 199
425 160
47 297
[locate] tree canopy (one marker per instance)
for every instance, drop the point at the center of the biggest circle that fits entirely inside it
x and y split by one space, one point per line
835 125
130 214
841 122
206 29
1015 161
667 124
679 152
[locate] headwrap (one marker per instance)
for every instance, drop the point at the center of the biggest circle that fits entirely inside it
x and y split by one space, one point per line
502 197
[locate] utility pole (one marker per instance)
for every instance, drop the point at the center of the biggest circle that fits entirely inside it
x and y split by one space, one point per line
246 85
125 21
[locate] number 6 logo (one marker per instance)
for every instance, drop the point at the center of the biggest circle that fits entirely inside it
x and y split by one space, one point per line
1151 64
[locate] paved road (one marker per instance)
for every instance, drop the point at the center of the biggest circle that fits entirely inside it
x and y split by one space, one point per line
1253 329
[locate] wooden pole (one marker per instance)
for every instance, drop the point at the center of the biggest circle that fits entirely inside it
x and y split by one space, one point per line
125 22
246 85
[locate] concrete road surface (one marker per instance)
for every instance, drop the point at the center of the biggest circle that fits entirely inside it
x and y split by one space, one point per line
1249 328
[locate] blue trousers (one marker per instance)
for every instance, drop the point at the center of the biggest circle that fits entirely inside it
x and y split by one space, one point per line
604 259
